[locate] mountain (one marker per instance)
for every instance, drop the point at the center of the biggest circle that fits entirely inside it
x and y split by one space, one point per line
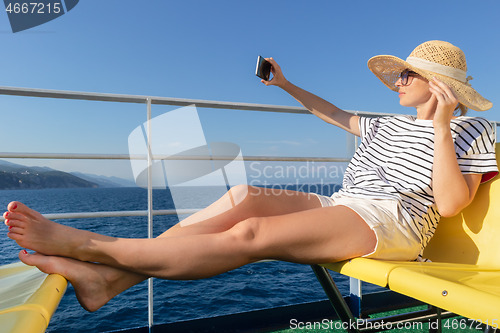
15 176
104 181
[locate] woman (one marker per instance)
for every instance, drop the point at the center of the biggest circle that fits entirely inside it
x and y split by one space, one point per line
407 172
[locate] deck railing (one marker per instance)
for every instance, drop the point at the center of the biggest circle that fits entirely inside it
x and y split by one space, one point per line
148 101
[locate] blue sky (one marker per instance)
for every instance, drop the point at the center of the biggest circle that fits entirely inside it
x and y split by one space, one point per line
207 50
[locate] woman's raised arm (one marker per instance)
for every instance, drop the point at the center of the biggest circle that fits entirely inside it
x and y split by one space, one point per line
315 104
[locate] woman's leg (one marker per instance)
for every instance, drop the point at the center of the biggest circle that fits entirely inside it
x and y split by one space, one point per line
310 236
31 230
89 278
241 203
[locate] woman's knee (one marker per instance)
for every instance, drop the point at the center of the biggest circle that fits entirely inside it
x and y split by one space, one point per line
246 233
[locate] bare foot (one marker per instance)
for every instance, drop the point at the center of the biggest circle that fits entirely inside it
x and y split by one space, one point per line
33 231
94 284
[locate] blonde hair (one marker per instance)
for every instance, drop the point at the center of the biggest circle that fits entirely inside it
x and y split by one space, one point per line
461 110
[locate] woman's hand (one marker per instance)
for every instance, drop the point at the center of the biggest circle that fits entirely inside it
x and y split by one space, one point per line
446 102
278 77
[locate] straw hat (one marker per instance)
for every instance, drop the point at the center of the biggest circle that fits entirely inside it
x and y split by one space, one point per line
434 58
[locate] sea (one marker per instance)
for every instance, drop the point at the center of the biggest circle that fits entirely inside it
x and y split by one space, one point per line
252 287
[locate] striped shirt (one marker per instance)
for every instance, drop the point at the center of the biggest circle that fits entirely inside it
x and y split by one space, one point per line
395 158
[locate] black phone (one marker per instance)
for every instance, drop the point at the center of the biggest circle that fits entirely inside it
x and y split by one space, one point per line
263 69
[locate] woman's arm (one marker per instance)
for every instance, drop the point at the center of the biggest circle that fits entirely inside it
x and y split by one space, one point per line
316 105
453 191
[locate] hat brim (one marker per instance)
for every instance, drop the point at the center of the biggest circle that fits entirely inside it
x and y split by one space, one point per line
387 68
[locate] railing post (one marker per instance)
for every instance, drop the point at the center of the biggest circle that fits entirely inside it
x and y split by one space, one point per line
150 209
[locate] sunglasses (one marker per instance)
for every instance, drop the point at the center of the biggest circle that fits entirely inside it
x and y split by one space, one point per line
407 76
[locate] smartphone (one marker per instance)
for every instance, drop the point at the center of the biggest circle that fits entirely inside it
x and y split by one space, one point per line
263 69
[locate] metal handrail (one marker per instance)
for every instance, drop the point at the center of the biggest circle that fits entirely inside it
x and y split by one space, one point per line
56 156
119 213
141 99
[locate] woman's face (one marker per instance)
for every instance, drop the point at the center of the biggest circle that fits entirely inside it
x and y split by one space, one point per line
415 93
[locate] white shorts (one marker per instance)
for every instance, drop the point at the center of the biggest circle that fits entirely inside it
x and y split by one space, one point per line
395 239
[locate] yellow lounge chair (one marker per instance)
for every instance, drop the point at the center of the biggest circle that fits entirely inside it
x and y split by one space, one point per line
464 275
28 298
